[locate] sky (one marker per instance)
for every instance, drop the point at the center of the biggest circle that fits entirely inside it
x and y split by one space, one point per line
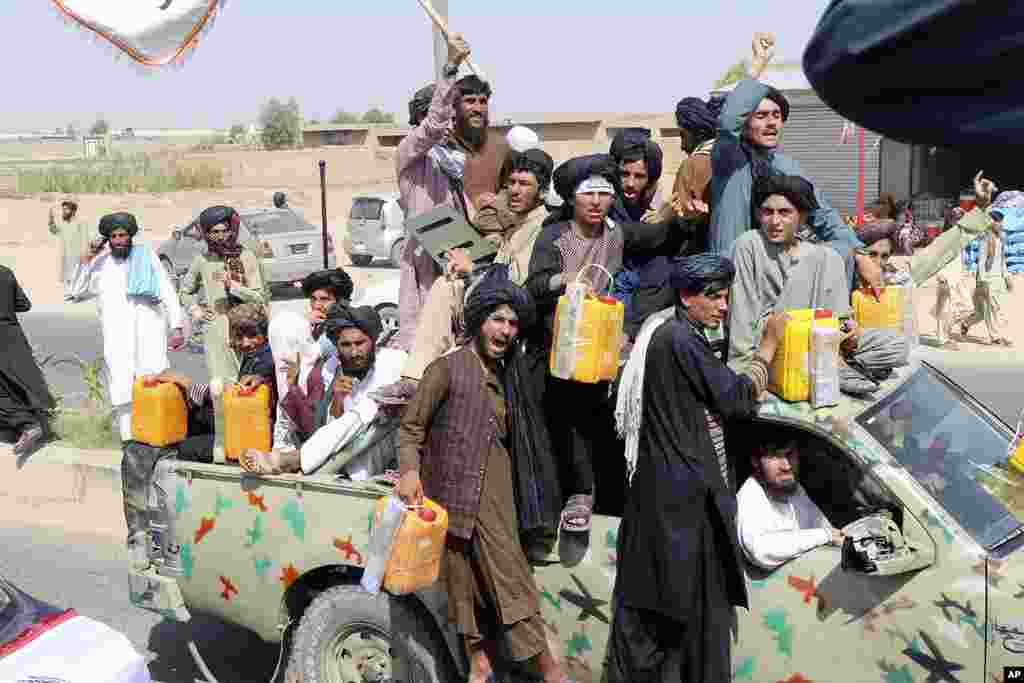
540 55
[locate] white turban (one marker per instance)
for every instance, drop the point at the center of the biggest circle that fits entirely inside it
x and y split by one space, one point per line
521 138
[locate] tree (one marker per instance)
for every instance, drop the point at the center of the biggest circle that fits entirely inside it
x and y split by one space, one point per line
71 131
100 128
344 117
737 72
376 115
282 123
313 122
237 133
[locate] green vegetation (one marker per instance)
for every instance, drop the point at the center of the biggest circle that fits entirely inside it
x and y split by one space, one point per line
344 117
735 73
376 115
90 425
121 174
282 124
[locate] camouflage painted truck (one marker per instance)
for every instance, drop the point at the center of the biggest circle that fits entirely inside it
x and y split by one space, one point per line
929 588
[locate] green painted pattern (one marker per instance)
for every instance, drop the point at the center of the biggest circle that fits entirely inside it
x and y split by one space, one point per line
296 518
550 597
255 534
775 621
188 561
578 644
931 520
222 504
181 502
745 671
262 565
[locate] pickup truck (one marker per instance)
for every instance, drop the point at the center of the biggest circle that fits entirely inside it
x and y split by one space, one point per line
929 586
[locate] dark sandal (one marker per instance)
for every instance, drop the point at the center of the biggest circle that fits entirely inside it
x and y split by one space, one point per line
577 512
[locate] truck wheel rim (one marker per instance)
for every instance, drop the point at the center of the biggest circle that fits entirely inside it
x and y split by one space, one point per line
358 653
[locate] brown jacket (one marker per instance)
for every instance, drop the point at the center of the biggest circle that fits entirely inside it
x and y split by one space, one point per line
446 431
693 180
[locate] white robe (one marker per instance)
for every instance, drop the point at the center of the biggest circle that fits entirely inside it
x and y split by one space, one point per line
134 330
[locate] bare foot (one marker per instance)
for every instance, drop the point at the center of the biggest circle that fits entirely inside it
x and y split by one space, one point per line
258 462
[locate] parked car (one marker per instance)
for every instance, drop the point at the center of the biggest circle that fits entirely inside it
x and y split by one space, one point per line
375 229
928 586
42 643
288 246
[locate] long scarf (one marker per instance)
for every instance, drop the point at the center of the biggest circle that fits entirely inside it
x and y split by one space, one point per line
143 278
629 407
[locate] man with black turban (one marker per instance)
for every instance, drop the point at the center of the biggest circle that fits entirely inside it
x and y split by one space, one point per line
137 304
691 193
680 570
447 160
640 165
513 222
778 271
453 435
749 129
228 274
329 408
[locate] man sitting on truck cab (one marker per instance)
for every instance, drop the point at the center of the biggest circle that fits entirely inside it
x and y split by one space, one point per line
775 518
247 324
335 407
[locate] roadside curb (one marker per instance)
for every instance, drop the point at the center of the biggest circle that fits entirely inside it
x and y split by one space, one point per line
59 453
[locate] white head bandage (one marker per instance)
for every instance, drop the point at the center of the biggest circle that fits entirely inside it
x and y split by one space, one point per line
595 183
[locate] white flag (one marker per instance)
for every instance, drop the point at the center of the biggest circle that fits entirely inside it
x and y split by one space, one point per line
150 32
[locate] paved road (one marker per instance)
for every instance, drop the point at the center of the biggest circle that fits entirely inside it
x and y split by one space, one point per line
88 573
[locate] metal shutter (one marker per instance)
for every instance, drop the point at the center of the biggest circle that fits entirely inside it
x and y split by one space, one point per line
811 136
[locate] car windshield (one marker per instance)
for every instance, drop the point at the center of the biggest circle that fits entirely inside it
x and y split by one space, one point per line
955 450
367 208
264 224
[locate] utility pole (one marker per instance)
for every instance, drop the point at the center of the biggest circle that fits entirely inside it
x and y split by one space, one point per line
440 44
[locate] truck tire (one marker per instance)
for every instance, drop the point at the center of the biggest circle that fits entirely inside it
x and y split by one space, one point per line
345 636
360 260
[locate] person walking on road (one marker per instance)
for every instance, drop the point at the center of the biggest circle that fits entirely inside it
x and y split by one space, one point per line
74 237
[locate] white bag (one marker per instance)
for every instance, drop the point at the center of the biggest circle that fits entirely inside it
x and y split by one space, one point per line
824 366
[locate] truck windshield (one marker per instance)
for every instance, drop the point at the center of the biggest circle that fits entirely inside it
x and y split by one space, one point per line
954 449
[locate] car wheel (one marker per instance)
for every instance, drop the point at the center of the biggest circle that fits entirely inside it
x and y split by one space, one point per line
396 252
346 636
360 260
169 269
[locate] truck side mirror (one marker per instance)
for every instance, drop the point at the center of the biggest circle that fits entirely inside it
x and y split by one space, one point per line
875 545
176 234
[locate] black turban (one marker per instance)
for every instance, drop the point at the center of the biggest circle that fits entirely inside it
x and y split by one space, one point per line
570 174
341 317
715 104
118 221
635 144
778 98
694 274
419 105
473 85
695 116
336 280
215 215
536 161
280 200
882 229
496 289
797 190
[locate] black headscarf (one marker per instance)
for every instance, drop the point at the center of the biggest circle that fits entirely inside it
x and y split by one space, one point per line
118 221
695 274
570 174
216 215
335 280
536 161
419 105
473 85
694 115
341 317
797 190
496 289
635 144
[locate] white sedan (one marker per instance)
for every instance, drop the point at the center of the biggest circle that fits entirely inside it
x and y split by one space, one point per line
43 643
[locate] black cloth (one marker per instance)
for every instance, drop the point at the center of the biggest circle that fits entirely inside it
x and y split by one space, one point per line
335 280
473 85
535 473
536 161
570 174
419 105
215 215
120 220
694 116
341 317
25 398
680 511
887 65
797 190
635 144
492 290
693 274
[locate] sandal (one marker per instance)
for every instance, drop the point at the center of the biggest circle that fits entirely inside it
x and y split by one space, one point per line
576 513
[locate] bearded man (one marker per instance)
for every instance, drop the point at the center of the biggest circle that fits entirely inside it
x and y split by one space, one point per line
137 306
447 160
454 433
74 239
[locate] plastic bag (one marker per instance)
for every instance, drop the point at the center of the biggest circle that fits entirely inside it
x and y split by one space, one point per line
824 370
588 334
382 538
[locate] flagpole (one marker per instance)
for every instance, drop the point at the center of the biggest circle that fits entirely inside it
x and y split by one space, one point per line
860 175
